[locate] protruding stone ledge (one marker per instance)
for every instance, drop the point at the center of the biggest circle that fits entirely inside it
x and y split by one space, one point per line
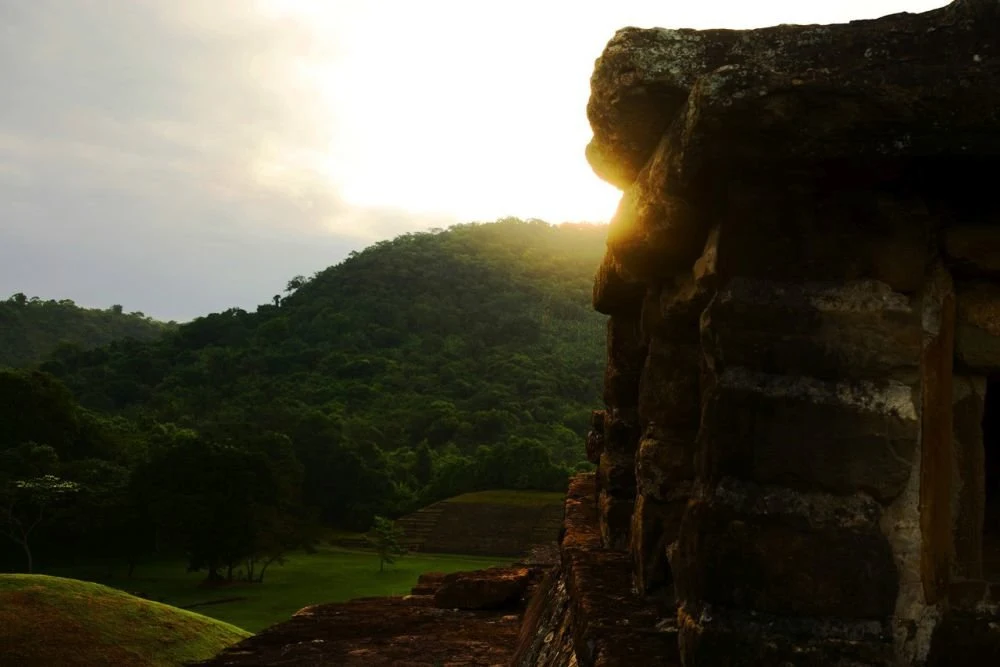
764 428
858 330
974 250
745 547
802 511
919 82
614 293
893 399
717 636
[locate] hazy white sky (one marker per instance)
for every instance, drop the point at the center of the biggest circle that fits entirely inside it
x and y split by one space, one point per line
185 156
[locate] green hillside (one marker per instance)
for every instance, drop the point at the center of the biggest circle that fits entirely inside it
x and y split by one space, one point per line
419 369
52 621
31 329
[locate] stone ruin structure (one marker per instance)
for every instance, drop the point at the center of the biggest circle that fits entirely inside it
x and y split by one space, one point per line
798 463
803 289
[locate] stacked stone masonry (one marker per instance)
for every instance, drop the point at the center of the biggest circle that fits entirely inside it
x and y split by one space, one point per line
803 289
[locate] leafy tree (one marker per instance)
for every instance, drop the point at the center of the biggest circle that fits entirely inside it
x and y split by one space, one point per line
295 283
23 506
223 503
423 466
386 542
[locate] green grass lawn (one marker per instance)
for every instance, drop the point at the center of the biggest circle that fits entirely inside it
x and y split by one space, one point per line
53 621
329 575
511 498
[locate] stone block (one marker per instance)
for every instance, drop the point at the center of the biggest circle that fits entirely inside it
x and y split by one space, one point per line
977 346
973 250
899 241
655 525
968 594
727 638
805 234
494 588
772 550
621 389
811 435
664 464
615 293
855 330
978 305
669 385
966 638
626 356
976 350
621 432
594 446
673 311
595 436
616 474
654 235
615 518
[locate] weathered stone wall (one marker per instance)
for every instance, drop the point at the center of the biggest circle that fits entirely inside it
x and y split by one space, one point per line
803 289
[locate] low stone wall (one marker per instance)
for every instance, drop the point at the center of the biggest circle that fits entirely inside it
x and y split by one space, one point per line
464 619
585 612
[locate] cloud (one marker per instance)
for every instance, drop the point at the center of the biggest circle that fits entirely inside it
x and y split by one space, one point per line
163 155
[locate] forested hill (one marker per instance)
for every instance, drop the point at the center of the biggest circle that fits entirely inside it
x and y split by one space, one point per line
424 366
31 329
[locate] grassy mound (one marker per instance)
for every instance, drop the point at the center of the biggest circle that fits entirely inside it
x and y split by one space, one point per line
53 621
325 575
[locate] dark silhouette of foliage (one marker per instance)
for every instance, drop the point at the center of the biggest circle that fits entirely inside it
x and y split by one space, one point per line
32 329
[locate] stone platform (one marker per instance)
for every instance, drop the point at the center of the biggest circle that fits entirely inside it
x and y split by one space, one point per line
466 619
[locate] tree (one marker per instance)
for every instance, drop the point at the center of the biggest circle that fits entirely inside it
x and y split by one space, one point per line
423 467
386 542
24 505
295 283
225 496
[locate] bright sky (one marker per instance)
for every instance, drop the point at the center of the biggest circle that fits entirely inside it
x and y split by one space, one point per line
475 110
185 156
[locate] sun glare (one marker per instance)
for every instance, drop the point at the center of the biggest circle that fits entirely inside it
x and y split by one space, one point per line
474 111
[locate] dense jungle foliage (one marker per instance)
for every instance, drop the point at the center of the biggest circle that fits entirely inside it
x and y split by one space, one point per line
423 367
31 329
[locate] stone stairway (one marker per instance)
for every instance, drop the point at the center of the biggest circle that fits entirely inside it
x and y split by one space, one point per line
418 526
481 528
548 525
544 537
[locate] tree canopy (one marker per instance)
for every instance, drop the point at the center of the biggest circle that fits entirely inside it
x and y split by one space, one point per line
31 329
423 367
